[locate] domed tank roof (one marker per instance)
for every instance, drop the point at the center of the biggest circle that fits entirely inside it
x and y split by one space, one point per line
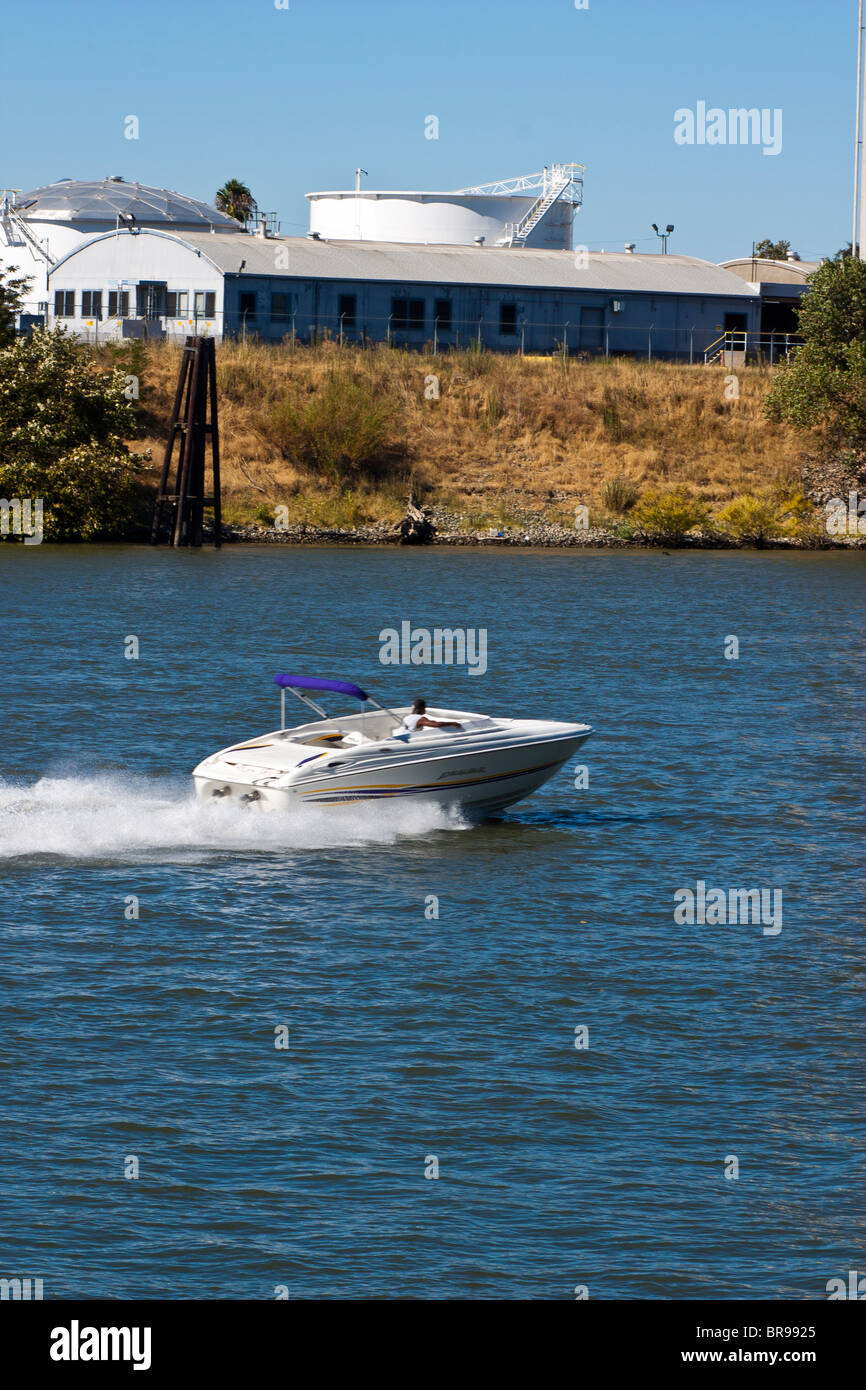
100 200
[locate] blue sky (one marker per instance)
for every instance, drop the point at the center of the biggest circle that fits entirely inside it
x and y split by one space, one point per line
292 100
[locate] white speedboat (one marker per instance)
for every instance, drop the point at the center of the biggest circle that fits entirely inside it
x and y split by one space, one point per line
484 766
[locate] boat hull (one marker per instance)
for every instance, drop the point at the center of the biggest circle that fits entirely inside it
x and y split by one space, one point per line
478 782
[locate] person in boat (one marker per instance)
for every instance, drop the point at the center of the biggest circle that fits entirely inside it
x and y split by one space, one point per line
418 720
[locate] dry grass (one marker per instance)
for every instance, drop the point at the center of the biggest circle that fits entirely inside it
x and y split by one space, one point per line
506 436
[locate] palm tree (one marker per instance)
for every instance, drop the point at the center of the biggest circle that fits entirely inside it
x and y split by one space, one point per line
235 199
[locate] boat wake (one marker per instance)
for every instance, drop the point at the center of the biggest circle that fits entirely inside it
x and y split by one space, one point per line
124 817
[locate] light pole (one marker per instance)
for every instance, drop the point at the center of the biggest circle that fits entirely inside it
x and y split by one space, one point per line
858 138
663 236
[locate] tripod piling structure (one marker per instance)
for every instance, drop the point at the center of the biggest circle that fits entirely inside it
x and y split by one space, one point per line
195 399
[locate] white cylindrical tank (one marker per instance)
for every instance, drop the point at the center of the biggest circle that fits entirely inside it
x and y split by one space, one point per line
444 219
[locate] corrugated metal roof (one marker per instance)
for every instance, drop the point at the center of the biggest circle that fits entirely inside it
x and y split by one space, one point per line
760 271
468 265
101 200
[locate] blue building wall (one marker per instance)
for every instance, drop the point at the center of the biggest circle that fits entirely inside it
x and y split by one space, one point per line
501 318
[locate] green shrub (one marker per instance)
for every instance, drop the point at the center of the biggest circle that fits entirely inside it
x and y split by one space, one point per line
668 516
751 519
809 530
345 428
801 519
62 428
619 494
794 509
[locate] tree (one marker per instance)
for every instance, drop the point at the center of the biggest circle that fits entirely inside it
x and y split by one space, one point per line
767 250
62 429
11 303
236 199
823 384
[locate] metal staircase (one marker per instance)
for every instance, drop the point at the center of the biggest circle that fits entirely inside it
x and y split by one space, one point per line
713 353
555 181
560 178
17 230
728 350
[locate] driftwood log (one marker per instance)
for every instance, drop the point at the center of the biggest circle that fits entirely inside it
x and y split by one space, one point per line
416 528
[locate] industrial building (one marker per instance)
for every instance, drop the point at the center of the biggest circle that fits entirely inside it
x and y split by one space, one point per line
781 284
492 265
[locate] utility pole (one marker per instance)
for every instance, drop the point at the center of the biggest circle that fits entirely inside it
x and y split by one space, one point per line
857 234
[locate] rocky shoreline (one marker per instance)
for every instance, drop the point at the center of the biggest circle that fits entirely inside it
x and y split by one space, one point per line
540 536
445 529
383 533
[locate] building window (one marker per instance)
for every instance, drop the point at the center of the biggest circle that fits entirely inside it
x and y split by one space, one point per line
118 304
247 306
442 311
150 299
205 304
508 318
407 314
346 306
279 308
91 304
64 304
177 304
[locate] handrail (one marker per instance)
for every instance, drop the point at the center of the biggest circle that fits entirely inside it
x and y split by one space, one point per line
17 221
715 343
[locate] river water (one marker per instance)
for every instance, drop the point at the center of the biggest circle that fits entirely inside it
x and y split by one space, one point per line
615 1100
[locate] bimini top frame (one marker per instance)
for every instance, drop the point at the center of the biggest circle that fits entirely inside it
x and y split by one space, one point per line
298 684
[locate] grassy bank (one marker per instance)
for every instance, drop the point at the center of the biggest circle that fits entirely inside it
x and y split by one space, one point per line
341 435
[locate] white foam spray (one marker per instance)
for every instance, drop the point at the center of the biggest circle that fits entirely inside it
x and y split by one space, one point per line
125 817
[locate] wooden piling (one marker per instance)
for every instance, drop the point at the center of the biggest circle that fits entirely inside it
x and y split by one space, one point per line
195 397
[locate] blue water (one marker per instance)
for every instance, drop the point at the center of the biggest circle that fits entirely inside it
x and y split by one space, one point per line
413 1037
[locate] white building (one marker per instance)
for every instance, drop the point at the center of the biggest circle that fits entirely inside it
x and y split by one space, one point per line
113 260
40 228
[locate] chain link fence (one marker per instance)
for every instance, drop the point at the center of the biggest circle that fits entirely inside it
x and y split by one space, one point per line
528 337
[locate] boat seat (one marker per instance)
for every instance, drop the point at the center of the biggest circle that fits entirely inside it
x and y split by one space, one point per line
338 739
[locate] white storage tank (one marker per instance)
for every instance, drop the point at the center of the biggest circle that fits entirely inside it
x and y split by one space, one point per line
536 210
